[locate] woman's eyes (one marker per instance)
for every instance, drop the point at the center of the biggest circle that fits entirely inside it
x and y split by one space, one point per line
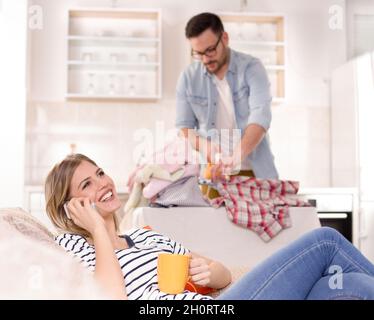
101 173
85 185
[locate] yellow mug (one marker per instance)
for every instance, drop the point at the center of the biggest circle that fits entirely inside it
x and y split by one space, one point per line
172 272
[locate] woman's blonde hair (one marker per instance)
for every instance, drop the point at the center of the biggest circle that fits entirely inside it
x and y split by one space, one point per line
57 191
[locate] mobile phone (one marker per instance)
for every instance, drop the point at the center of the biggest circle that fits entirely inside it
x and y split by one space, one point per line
67 210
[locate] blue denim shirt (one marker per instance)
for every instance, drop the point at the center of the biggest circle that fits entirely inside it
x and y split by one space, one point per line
197 99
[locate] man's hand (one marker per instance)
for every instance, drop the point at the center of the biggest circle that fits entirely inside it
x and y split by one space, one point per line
226 166
231 165
213 150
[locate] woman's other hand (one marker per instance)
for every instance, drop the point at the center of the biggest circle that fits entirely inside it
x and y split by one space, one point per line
208 273
199 270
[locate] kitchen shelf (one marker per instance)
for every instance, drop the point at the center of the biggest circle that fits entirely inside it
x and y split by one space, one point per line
114 64
274 67
258 43
105 97
115 39
56 133
114 54
261 35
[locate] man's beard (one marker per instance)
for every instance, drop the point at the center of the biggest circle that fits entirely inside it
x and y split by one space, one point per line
220 64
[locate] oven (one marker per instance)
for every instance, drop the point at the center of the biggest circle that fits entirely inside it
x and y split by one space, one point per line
335 208
341 221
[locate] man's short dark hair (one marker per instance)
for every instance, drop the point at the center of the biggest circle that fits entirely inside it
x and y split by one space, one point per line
201 22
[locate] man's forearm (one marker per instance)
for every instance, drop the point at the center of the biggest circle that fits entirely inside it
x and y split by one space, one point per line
253 135
197 142
192 137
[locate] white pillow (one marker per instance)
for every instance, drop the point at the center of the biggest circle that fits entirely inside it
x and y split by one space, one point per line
34 269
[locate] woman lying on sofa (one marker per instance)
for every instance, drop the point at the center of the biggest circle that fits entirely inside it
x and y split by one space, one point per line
322 264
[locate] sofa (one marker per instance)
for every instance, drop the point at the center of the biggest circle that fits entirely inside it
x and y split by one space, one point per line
36 268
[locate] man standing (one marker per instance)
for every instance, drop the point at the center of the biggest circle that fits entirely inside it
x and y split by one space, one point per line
222 93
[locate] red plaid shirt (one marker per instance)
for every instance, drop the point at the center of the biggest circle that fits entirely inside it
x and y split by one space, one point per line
258 204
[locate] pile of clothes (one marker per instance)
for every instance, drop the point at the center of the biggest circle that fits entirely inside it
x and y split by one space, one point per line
171 178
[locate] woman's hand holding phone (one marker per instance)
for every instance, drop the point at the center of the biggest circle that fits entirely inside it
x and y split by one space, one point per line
84 214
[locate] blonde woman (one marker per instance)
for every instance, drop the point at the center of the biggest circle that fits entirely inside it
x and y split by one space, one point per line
126 265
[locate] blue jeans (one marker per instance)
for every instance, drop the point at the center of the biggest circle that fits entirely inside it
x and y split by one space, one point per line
322 264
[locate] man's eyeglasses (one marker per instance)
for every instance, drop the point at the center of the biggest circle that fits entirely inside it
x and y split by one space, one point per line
210 52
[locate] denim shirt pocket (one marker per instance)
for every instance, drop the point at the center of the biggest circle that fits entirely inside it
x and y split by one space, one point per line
199 106
240 98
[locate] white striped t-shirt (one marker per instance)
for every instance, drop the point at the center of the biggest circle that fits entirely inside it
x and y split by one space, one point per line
138 263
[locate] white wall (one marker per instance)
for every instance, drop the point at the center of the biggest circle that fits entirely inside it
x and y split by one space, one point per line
12 100
300 132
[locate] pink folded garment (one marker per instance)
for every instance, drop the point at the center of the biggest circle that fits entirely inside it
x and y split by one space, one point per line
174 156
157 185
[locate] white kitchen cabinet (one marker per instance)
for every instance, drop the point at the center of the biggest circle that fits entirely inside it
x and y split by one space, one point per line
263 36
352 132
114 54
